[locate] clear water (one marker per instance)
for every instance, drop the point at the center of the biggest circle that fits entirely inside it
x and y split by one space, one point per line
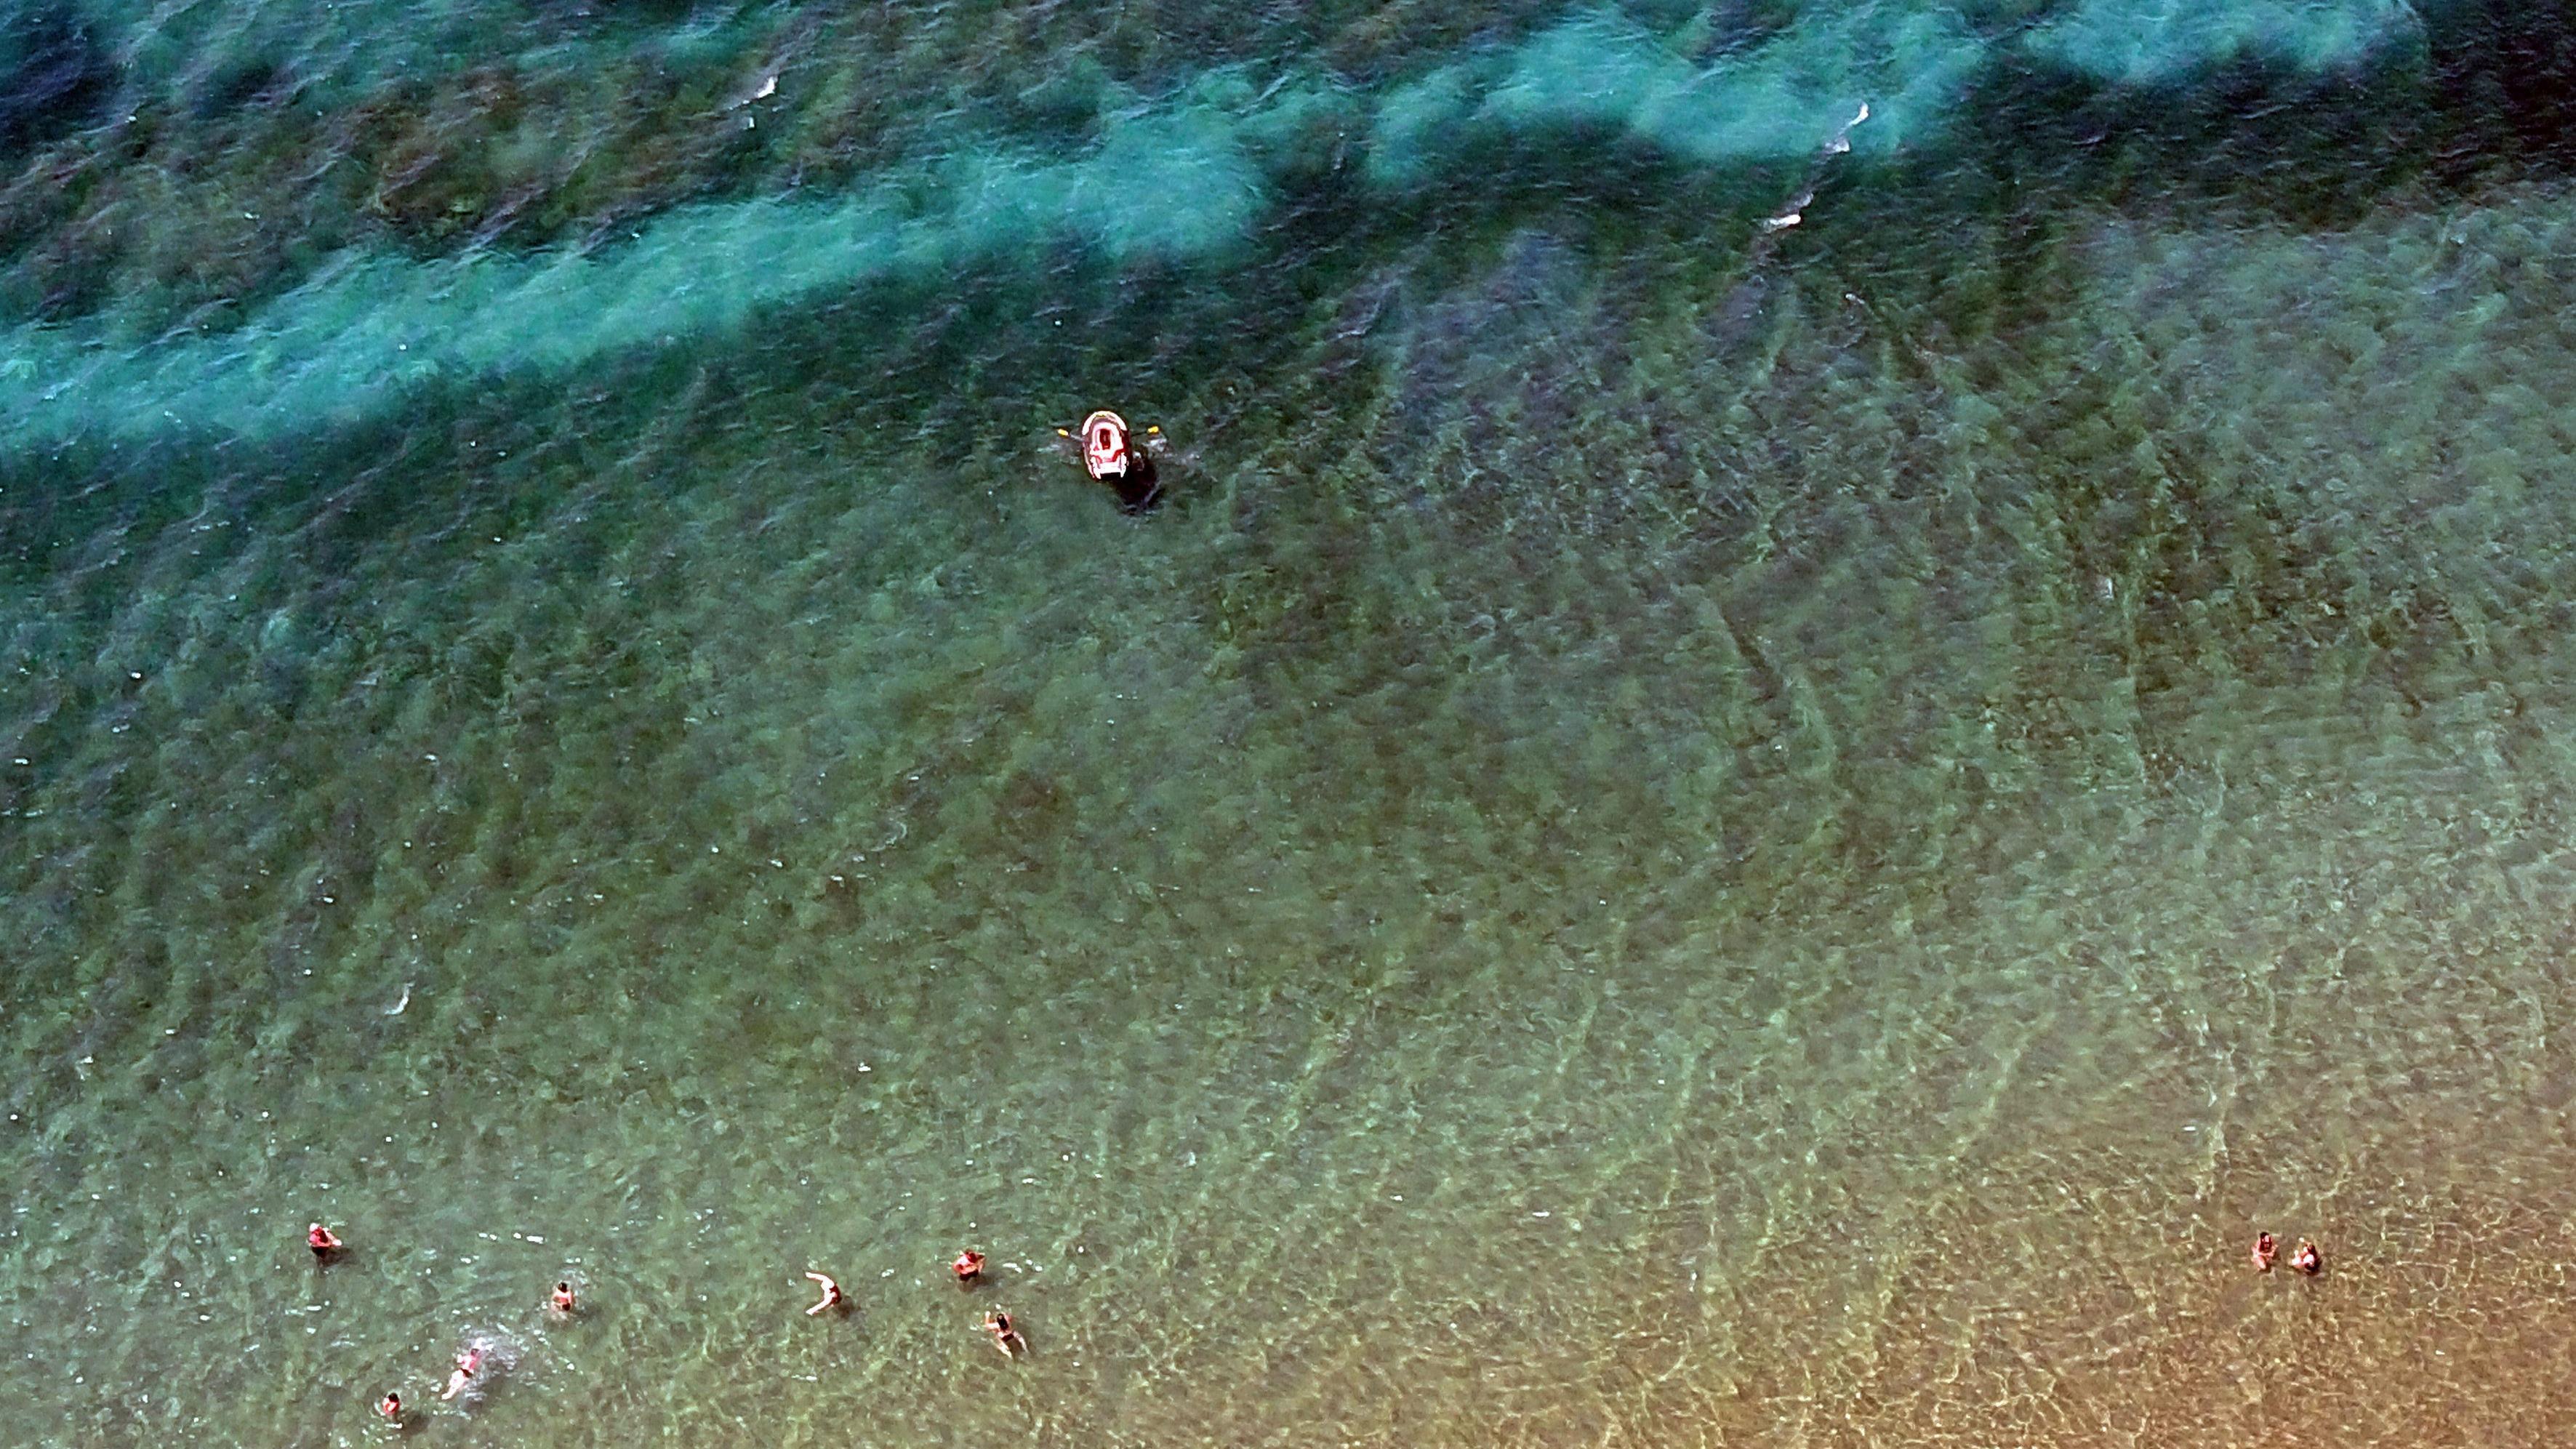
1685 831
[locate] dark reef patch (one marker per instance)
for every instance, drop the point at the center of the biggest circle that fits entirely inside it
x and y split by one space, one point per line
54 75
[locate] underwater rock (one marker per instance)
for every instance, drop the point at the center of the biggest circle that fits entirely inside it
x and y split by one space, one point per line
54 75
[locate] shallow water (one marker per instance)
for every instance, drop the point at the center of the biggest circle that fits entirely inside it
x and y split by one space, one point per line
1683 831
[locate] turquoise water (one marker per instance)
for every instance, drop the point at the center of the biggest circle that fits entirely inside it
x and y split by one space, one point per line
1687 828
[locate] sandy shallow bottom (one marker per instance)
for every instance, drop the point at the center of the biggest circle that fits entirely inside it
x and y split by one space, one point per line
1645 854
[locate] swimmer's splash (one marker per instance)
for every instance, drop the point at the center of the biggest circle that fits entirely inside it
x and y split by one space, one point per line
1840 144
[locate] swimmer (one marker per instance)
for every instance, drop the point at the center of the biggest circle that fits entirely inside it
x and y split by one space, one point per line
560 1302
1006 1334
466 1364
1111 455
831 1293
968 1267
2307 1259
322 1241
390 1408
2266 1248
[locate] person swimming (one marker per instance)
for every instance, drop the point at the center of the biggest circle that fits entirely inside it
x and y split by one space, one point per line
831 1293
484 1356
390 1408
560 1302
1005 1334
468 1364
2266 1248
2307 1259
968 1267
324 1242
1114 457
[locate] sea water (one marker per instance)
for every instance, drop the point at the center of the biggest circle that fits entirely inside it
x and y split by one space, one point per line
1771 777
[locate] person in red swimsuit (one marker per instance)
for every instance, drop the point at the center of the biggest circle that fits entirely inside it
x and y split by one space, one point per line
322 1241
968 1267
560 1302
467 1363
390 1407
831 1293
2266 1248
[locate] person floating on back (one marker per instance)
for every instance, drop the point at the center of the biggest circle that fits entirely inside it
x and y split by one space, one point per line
1117 459
324 1242
1005 1333
968 1267
831 1293
468 1364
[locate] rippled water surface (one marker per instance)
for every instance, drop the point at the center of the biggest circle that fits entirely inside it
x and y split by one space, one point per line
1768 780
